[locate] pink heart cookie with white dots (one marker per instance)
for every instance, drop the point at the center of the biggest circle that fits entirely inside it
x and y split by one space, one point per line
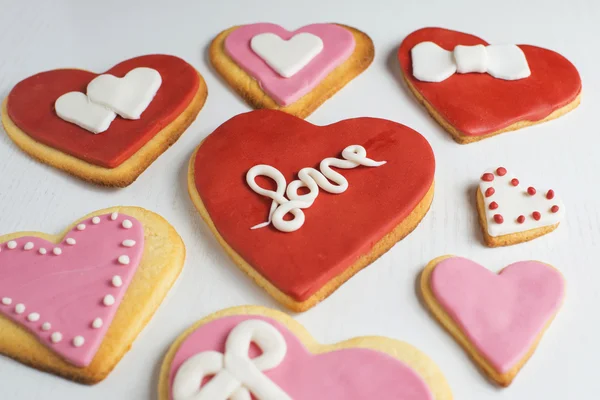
72 304
512 212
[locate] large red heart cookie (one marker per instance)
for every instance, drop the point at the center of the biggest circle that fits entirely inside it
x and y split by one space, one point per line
117 156
300 368
342 233
474 106
72 304
498 318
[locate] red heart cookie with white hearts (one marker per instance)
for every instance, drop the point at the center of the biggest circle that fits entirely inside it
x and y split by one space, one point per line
511 211
382 187
268 355
473 106
120 153
499 319
72 304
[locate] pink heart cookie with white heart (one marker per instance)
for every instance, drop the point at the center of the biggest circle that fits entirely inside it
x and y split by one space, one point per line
512 212
255 352
499 319
292 71
72 304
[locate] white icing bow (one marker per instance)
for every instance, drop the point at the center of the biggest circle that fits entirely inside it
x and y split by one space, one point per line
431 63
310 178
236 375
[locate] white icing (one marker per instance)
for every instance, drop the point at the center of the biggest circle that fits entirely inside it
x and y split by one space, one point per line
108 300
310 178
46 326
7 301
33 317
80 227
42 250
20 308
75 107
124 260
117 281
236 376
287 57
114 216
11 245
128 96
97 323
56 337
128 243
71 241
28 246
514 201
78 341
96 220
431 63
127 224
57 251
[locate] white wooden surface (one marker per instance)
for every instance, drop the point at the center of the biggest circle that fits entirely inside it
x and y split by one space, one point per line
41 35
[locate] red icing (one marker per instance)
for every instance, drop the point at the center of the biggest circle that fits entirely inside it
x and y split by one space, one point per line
478 104
531 190
487 177
521 219
501 171
514 182
493 205
536 215
490 191
554 209
550 194
31 108
338 228
498 218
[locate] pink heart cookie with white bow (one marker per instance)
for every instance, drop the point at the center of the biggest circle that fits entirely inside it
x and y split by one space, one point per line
72 304
499 319
511 211
255 352
292 71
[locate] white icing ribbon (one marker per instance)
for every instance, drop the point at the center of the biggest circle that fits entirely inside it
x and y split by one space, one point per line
108 96
431 63
235 376
310 178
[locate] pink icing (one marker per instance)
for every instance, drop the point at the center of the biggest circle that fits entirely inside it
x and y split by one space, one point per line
67 290
338 45
348 374
501 314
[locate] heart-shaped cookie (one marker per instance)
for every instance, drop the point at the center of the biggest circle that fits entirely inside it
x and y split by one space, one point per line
292 365
511 211
499 319
297 81
342 232
72 304
117 156
474 106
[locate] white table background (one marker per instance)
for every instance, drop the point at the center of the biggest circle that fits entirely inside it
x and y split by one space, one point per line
40 35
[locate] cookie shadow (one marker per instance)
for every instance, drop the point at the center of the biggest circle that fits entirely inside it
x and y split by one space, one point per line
475 226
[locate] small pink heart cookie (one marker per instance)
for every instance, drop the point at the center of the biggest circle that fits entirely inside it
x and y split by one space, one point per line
499 319
72 304
511 211
292 71
255 352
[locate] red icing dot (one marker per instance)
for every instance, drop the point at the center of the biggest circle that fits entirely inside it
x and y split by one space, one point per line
531 190
514 181
490 191
536 215
550 194
501 171
521 219
498 218
554 208
493 205
487 177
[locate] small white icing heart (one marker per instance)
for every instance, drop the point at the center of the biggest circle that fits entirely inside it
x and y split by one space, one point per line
287 57
128 96
75 107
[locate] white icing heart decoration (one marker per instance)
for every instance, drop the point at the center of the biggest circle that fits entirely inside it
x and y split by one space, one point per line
75 107
287 57
512 207
107 96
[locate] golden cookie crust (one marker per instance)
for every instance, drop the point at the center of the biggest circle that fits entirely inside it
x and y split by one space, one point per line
382 246
448 323
162 261
249 89
126 173
402 351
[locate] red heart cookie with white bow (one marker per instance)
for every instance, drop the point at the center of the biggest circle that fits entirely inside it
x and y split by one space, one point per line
291 364
295 72
106 129
476 90
499 319
356 187
72 304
